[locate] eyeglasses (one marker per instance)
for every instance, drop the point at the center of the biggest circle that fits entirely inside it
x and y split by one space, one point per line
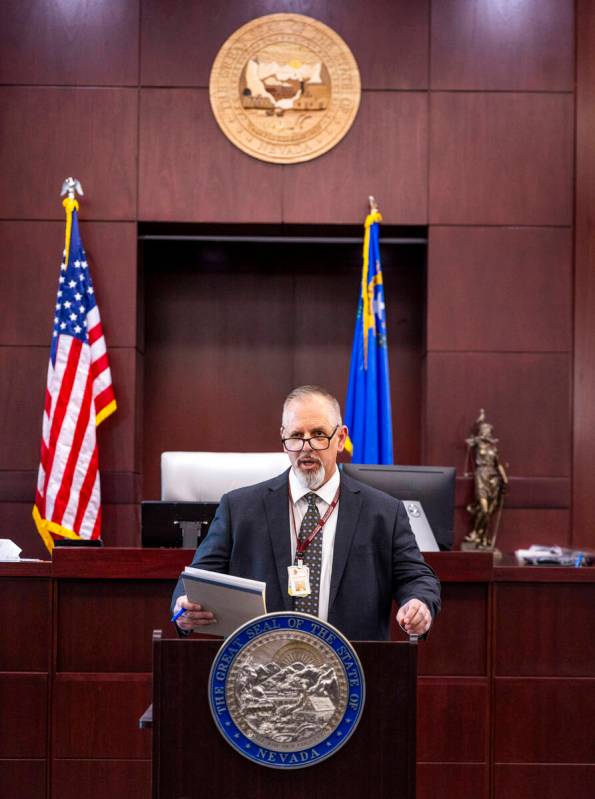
315 442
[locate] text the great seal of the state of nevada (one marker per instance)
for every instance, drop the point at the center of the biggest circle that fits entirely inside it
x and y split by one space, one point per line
285 88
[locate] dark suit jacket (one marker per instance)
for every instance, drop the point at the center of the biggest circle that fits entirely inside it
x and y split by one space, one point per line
375 556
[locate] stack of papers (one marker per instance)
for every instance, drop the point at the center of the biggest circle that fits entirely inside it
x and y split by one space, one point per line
538 555
233 600
11 553
9 550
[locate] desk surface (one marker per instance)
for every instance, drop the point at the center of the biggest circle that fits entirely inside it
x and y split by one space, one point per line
166 564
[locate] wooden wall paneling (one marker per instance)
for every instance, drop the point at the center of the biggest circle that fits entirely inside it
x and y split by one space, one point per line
23 779
23 720
189 171
501 158
95 779
17 523
22 391
66 43
219 339
525 46
111 250
116 435
407 396
459 639
138 415
17 485
521 527
120 487
180 41
524 395
523 492
31 257
542 646
106 625
320 343
452 719
96 716
89 133
389 38
500 289
120 524
584 318
404 273
392 166
543 720
227 360
451 780
31 254
546 780
140 365
321 347
26 605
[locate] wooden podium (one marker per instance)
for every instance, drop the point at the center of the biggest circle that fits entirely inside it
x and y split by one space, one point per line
191 759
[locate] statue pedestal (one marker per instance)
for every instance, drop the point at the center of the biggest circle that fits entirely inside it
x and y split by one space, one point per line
470 546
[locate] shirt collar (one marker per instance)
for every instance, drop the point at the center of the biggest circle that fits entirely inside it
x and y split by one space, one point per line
326 492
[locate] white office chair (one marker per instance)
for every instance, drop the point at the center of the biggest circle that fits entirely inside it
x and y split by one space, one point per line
206 476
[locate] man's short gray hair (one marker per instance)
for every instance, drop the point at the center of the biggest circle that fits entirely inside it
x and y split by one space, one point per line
302 392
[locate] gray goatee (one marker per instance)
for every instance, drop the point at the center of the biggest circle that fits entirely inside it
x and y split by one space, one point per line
311 480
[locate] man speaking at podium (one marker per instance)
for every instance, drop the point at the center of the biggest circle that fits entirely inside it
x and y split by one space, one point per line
324 543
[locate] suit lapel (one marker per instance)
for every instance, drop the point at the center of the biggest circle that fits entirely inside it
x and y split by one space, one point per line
276 502
349 510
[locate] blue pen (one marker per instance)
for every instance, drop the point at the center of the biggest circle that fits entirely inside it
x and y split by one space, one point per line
579 560
177 615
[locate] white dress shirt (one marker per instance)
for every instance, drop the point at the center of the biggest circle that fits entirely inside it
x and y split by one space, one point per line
297 510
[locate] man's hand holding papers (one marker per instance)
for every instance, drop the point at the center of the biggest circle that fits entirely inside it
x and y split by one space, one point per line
217 603
194 615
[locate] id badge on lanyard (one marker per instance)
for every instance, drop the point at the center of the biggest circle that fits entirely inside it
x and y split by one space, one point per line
299 576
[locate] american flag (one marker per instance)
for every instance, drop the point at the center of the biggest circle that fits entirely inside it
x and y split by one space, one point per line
79 396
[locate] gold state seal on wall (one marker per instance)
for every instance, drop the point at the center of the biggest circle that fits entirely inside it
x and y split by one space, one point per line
285 88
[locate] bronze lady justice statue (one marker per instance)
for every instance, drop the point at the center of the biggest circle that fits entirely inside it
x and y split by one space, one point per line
490 481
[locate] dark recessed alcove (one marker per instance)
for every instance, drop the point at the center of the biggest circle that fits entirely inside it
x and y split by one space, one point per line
234 316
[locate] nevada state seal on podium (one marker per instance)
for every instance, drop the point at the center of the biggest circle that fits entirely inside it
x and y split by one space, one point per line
281 709
286 690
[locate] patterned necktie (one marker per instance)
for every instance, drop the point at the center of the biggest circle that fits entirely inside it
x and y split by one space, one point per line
312 558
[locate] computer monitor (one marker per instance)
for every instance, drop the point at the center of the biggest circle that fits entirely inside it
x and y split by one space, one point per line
175 524
433 486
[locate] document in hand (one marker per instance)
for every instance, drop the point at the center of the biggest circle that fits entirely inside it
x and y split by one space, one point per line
233 600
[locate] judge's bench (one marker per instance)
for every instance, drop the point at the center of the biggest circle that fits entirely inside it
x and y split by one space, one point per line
506 680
